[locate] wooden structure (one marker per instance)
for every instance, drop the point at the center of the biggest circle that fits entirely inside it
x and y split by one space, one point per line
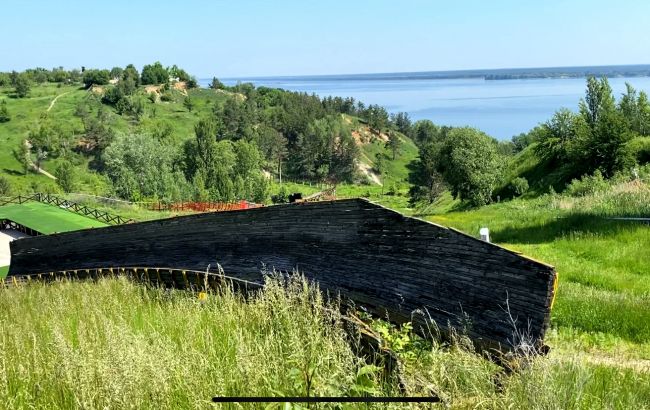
398 267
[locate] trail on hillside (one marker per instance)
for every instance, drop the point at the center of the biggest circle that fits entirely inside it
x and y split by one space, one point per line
34 167
56 98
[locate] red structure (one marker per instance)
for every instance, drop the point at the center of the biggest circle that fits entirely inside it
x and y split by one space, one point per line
203 206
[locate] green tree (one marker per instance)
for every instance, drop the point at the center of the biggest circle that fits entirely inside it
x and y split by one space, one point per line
393 144
427 183
215 84
96 77
22 85
470 165
325 152
557 134
4 113
116 72
154 74
142 167
131 74
635 110
272 145
23 155
65 176
403 122
607 134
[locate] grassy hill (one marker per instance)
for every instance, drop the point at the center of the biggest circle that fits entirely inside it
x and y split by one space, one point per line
58 104
27 112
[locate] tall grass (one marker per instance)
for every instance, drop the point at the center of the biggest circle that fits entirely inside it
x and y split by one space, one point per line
115 344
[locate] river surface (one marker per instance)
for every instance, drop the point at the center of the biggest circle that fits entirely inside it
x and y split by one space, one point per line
501 108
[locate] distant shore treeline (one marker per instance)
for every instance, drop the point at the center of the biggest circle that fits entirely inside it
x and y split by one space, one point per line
638 70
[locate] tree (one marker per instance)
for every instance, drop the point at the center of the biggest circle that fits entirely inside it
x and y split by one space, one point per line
45 136
606 131
393 144
41 155
116 72
65 176
22 85
470 165
635 110
377 117
96 77
557 134
427 183
326 152
4 113
23 155
273 146
403 122
142 167
216 84
131 73
154 74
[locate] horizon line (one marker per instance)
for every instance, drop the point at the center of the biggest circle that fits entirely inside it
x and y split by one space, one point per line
470 70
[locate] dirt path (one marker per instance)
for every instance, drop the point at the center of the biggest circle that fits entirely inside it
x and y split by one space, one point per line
56 98
33 166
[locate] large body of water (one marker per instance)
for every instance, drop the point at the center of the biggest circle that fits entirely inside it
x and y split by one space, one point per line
501 108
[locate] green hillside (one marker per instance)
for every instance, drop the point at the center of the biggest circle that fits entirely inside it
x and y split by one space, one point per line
57 104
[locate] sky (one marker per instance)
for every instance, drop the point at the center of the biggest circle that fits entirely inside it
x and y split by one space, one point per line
247 38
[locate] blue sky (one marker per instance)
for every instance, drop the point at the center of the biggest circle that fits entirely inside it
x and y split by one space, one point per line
256 38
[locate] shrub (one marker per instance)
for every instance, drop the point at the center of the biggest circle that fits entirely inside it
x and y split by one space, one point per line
639 149
167 96
519 186
4 113
588 185
5 186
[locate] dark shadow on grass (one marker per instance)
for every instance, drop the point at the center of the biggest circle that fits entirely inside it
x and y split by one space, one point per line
13 172
578 224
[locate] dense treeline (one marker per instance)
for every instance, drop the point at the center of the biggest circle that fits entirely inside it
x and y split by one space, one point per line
604 137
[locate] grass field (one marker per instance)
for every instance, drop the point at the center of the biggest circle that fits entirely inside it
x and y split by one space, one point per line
46 218
115 344
603 303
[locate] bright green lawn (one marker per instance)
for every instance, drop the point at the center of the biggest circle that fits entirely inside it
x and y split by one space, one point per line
47 219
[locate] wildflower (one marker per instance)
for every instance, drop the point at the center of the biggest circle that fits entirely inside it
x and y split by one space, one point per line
202 296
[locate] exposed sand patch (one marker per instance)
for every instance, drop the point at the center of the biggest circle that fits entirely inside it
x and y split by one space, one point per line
369 172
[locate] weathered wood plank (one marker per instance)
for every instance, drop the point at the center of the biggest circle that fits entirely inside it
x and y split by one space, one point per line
390 263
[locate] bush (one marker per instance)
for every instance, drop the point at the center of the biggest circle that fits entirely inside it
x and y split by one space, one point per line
4 113
639 149
588 185
519 186
167 96
97 77
5 186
